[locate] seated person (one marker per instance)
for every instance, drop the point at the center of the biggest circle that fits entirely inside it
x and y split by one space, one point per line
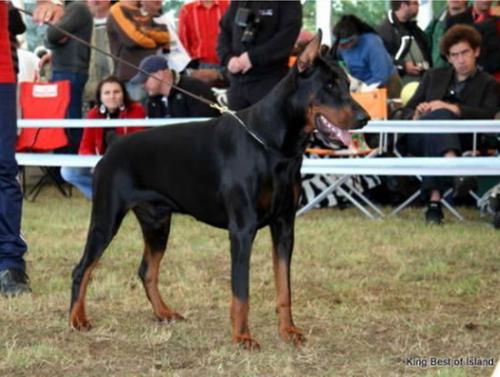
112 102
164 100
363 52
460 91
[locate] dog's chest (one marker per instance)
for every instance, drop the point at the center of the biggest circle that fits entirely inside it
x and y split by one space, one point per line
277 190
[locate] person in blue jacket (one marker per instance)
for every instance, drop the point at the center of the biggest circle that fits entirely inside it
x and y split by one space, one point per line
362 50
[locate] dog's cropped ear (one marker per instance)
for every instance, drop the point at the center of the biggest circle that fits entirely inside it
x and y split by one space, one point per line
310 53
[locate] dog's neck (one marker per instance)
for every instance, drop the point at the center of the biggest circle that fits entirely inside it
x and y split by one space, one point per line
281 116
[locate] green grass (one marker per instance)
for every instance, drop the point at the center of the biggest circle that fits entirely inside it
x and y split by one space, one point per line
368 295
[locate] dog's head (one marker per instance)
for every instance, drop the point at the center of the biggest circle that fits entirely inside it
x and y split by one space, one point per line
330 108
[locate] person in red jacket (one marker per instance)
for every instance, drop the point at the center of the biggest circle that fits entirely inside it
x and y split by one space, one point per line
198 30
13 277
112 102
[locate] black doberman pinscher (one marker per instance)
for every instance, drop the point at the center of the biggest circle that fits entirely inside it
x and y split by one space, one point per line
240 176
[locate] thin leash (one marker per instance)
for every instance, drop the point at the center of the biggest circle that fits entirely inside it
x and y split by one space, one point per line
221 108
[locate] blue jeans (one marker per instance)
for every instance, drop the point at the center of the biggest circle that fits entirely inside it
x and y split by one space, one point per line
81 178
12 246
78 81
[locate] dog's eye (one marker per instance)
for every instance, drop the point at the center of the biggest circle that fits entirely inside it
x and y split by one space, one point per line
330 85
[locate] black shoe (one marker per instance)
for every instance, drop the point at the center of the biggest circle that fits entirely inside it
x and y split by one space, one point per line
462 186
434 214
496 220
494 202
14 282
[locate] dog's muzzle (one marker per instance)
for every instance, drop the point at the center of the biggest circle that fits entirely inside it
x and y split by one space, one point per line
331 131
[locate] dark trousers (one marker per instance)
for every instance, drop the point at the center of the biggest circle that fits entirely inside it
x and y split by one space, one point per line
434 145
244 94
78 81
12 246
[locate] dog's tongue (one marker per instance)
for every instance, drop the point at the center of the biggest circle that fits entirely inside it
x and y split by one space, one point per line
334 132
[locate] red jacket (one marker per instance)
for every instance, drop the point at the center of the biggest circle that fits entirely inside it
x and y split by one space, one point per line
6 63
92 139
199 27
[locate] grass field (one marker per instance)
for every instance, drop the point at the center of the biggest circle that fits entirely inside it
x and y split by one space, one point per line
375 298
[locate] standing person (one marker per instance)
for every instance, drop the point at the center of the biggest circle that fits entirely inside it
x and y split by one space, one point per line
489 26
255 42
16 27
132 37
460 91
199 28
112 102
101 65
70 59
405 41
176 55
13 277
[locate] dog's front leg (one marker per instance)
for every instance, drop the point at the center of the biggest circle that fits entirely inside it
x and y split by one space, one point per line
241 246
282 232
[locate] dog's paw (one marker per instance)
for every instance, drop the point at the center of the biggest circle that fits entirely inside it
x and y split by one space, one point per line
78 319
246 342
80 324
293 335
169 317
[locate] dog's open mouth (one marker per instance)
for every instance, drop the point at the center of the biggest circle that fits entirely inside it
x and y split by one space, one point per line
332 131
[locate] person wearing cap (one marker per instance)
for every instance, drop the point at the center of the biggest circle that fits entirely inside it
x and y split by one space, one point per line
359 46
166 101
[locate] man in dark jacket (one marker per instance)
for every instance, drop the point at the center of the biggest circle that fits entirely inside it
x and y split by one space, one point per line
254 44
70 59
461 91
405 41
164 100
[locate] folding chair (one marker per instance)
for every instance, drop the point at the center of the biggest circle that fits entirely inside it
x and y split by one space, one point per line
43 101
479 200
375 103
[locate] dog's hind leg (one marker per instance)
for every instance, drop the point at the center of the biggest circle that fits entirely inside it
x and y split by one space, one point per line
282 233
105 221
155 224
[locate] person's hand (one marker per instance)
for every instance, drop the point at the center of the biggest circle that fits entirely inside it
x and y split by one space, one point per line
421 109
36 76
44 60
46 11
245 62
437 104
412 69
234 65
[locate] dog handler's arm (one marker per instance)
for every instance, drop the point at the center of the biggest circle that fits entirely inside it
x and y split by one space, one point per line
224 40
